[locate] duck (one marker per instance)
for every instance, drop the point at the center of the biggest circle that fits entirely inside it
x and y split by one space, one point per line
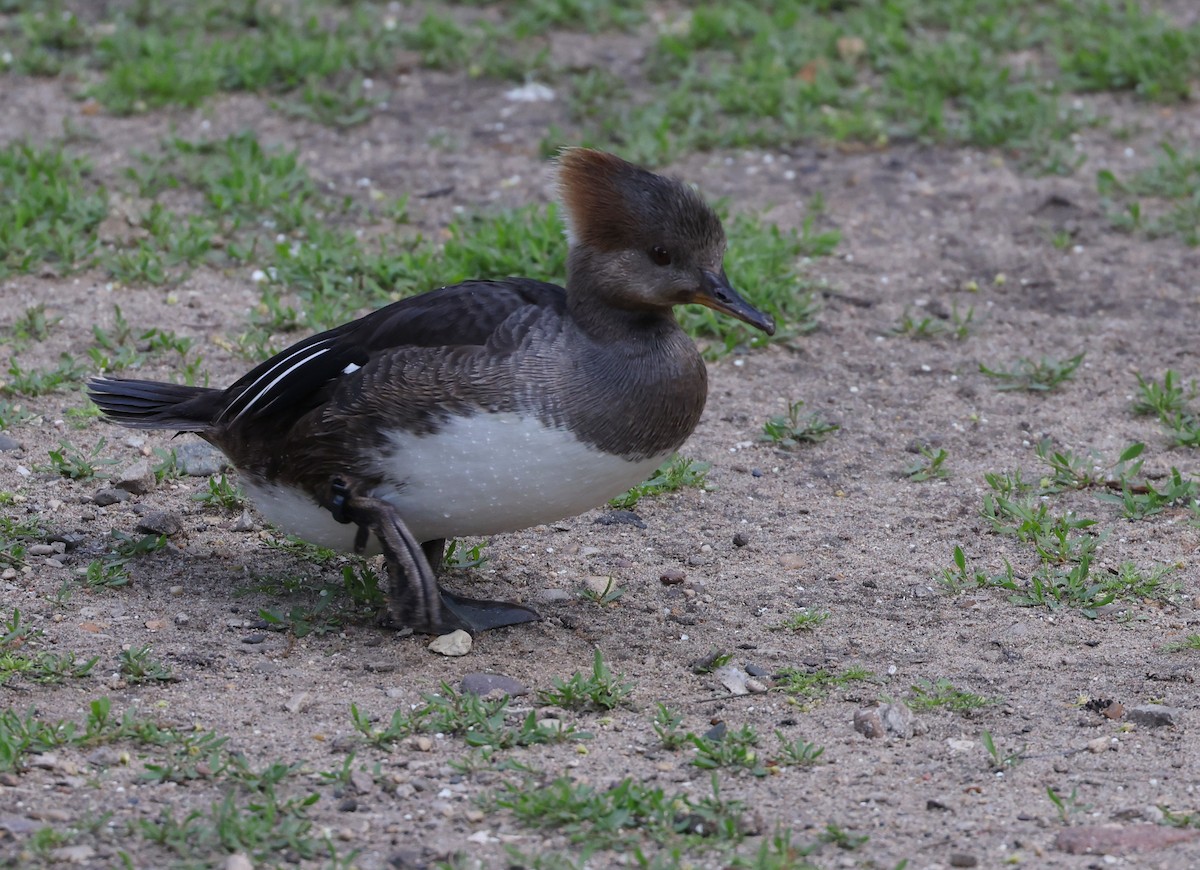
480 408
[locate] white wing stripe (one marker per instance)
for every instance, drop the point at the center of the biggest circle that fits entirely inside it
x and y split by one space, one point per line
283 375
267 374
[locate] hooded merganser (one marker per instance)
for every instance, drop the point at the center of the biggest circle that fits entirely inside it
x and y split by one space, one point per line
479 408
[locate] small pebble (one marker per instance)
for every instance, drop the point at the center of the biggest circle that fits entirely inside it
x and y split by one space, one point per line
628 518
740 540
182 619
254 638
237 861
456 643
963 859
672 577
199 459
298 703
137 478
160 523
109 496
1154 715
733 678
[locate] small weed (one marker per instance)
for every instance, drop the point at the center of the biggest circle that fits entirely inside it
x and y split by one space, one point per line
194 755
729 749
301 620
33 324
167 467
43 667
942 693
138 666
1040 376
1066 806
920 327
802 620
14 538
999 760
72 462
1074 586
929 466
219 493
609 594
959 578
22 382
1191 642
361 585
1074 472
12 414
622 815
1163 400
843 839
711 662
816 684
302 549
797 753
1172 187
793 429
1128 580
106 574
129 547
481 722
400 726
674 474
1139 501
667 724
459 555
600 690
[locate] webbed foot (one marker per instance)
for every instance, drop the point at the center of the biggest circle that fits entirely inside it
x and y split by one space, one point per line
414 597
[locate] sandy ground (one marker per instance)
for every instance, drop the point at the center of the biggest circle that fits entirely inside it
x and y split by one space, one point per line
833 526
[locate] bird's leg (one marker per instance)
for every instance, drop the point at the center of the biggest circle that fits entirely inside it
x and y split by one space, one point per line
414 597
434 551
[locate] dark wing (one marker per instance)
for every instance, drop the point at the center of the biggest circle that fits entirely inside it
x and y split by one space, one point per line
462 314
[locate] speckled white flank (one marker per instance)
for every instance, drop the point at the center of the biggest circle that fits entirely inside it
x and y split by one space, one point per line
479 475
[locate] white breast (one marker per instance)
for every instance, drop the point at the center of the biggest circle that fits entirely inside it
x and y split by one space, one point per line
479 475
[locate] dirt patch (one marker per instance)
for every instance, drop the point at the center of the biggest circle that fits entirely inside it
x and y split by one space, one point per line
832 527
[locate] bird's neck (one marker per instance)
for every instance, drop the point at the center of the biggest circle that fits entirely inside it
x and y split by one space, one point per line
603 307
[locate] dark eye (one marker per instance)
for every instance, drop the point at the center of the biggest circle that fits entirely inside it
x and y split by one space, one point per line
660 255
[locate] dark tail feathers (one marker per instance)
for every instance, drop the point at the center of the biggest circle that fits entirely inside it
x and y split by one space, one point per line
155 405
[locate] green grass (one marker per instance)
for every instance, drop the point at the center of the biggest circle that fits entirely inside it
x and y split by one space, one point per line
1035 376
137 665
49 210
1191 642
743 74
817 683
957 325
623 815
1171 402
930 465
1163 200
482 723
942 694
19 658
599 690
674 474
802 620
794 428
